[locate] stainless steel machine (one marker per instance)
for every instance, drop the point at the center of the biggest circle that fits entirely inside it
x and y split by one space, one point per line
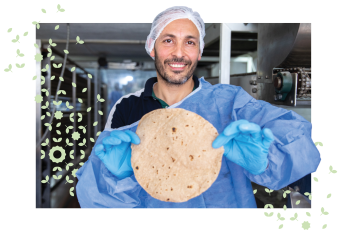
284 64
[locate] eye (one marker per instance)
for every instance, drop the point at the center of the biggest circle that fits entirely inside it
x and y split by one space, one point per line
191 43
168 40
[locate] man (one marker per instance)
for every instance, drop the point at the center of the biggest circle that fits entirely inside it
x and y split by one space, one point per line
264 144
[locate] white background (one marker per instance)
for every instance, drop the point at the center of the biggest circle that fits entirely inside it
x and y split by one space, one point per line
17 117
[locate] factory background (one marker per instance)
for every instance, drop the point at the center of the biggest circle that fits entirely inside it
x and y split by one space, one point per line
271 61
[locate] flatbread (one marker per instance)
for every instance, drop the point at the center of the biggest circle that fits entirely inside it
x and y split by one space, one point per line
175 160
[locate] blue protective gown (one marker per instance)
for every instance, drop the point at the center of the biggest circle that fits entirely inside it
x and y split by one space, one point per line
291 156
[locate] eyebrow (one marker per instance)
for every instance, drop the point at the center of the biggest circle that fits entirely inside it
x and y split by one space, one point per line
173 36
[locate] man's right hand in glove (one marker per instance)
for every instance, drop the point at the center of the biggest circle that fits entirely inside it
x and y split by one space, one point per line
115 152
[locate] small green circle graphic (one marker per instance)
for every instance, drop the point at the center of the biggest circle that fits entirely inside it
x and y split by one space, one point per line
62 152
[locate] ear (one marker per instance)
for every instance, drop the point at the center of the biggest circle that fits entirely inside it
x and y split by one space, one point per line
152 53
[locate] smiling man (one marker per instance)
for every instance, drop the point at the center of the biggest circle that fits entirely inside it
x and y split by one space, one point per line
262 143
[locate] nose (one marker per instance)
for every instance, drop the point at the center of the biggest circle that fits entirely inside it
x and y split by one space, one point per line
178 51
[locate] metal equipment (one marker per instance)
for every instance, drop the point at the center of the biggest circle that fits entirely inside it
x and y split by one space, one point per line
284 63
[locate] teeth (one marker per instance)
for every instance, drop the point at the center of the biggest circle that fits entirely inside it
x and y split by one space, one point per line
176 65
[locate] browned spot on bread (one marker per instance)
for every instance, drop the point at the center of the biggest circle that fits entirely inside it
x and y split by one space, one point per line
187 125
157 171
174 129
190 186
137 167
159 179
167 117
167 148
155 138
199 156
186 144
152 166
167 199
174 174
169 167
191 157
153 122
181 142
204 150
216 133
176 137
171 189
173 159
165 189
163 166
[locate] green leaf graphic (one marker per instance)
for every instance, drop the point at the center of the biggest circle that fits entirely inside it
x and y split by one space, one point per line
308 214
72 69
83 154
92 140
71 191
324 226
89 108
84 90
318 143
25 34
58 124
80 100
38 26
61 78
43 11
74 84
90 76
331 170
95 123
280 227
99 132
37 46
329 195
58 132
9 30
52 77
284 207
100 112
315 179
66 51
269 205
297 202
254 191
56 27
268 214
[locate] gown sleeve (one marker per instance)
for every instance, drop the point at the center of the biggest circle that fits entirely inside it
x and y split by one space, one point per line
99 188
293 154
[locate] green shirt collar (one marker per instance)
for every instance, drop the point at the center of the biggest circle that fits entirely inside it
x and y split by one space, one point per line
162 102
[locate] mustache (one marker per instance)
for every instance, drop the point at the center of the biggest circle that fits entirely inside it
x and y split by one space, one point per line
178 60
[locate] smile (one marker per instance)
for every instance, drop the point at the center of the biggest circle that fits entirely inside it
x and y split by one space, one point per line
177 65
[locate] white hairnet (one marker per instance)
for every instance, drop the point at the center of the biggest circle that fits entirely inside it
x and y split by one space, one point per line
169 15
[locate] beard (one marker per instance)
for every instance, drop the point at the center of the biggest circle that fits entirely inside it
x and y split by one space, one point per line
171 80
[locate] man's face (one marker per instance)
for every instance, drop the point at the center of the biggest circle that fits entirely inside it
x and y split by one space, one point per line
176 51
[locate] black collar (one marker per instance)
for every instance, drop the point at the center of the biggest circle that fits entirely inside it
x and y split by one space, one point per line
150 82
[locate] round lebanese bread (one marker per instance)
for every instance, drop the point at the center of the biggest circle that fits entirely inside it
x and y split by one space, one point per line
175 160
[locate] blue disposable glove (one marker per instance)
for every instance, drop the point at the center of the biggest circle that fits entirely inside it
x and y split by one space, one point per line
115 152
246 145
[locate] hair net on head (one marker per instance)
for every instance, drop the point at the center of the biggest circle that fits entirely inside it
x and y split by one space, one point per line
169 15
